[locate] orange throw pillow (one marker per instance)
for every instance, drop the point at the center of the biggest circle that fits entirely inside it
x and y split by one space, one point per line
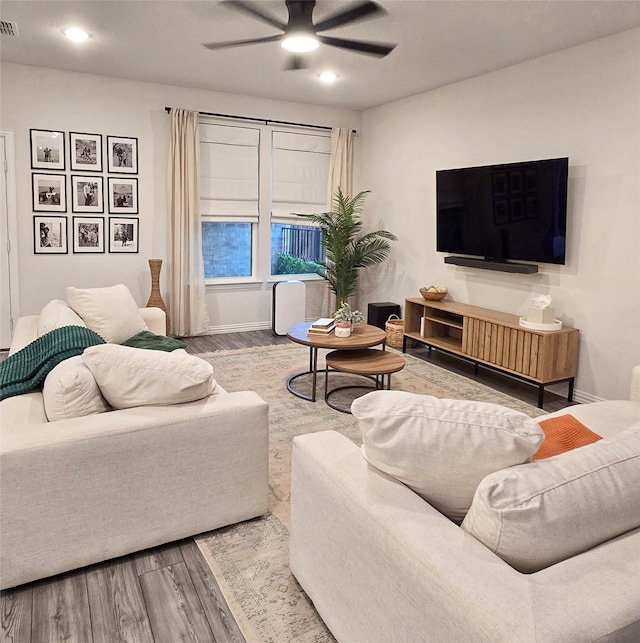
563 433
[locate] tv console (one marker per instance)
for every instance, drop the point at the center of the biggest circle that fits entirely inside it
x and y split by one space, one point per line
494 340
488 264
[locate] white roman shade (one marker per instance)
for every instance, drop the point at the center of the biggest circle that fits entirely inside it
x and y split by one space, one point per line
229 172
300 175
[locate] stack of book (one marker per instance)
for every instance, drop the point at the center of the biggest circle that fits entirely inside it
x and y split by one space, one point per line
322 326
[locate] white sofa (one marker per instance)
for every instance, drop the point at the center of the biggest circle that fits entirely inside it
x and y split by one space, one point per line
78 491
381 564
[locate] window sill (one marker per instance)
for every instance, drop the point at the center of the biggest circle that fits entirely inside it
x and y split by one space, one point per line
275 278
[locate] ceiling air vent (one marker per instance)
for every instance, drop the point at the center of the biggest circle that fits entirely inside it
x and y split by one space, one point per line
8 28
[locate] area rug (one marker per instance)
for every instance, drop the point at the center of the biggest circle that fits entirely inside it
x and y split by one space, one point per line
250 559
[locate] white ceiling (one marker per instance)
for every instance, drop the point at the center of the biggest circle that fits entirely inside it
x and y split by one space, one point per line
439 42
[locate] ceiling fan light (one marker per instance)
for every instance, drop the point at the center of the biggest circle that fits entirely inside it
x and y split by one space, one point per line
76 34
299 43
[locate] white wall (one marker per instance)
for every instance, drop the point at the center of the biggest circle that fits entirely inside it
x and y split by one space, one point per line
583 103
33 97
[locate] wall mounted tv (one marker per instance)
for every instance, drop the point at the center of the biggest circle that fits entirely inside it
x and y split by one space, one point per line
501 214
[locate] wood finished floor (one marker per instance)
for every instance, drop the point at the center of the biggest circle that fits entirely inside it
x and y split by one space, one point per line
166 594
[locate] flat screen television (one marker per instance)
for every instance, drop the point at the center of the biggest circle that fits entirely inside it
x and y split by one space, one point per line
503 213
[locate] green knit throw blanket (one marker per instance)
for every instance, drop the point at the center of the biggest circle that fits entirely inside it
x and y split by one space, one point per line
25 370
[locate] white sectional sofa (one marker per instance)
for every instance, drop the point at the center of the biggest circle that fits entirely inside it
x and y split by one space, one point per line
81 490
381 564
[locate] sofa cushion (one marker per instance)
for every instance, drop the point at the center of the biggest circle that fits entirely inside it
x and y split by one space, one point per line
111 312
57 314
540 513
70 391
130 377
442 448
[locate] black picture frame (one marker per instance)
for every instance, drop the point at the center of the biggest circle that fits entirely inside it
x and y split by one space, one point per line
85 152
87 194
50 235
122 154
122 193
124 235
49 192
47 149
87 234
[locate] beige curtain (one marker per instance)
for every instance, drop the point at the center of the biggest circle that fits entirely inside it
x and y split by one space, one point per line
340 175
187 305
341 164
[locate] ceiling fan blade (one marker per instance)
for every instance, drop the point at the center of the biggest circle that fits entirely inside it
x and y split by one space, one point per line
238 43
372 48
357 12
250 9
295 62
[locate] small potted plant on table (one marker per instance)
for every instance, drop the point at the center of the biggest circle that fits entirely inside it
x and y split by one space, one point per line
345 319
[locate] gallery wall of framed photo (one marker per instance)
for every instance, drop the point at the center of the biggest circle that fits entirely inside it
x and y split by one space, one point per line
99 179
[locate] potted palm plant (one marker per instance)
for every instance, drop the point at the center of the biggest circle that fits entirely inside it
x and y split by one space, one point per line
347 248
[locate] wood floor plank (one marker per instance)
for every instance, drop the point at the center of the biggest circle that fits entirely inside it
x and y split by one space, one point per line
175 611
118 610
223 625
15 615
163 556
61 610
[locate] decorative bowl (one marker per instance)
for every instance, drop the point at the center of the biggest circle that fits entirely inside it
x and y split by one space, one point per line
431 295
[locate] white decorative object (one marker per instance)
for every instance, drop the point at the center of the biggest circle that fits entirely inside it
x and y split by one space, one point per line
556 324
542 301
540 315
343 329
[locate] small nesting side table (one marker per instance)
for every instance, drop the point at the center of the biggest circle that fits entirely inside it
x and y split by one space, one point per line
371 363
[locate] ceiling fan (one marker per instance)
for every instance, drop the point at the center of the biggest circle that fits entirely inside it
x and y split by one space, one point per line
300 34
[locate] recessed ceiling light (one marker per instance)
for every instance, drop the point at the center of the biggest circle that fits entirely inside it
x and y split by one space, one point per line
76 34
299 43
328 77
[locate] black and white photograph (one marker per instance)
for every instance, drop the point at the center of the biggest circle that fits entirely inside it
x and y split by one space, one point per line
123 235
49 192
47 150
85 151
88 234
122 155
49 235
87 194
123 196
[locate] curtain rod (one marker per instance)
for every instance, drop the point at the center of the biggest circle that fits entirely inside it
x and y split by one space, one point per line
264 121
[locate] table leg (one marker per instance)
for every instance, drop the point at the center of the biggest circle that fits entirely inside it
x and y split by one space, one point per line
314 370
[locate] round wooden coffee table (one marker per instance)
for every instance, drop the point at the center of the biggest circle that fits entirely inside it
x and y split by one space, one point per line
362 336
370 363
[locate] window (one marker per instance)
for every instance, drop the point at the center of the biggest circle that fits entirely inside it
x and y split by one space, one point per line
229 192
300 174
248 186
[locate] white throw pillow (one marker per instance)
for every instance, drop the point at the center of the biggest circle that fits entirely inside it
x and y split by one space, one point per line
540 513
442 448
70 391
131 377
111 312
57 314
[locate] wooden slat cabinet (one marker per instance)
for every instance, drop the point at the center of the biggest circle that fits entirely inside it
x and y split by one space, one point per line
495 340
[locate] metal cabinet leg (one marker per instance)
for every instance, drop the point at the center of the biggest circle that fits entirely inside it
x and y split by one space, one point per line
540 396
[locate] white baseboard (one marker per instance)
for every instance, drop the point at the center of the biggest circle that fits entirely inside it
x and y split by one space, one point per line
585 398
239 328
242 328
